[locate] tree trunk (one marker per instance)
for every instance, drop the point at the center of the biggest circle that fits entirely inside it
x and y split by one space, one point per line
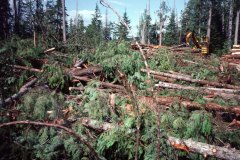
225 94
203 82
64 21
204 149
143 36
76 18
236 29
21 92
230 24
16 19
209 23
160 23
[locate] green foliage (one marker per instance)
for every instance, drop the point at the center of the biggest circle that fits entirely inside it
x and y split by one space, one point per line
188 125
162 61
122 31
199 125
55 76
117 56
37 102
94 30
171 31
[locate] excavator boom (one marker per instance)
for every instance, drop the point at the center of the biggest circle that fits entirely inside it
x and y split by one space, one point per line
194 39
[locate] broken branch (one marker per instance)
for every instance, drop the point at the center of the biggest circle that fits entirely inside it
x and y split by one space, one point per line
71 132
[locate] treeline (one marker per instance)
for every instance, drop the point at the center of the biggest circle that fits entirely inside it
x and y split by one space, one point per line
44 21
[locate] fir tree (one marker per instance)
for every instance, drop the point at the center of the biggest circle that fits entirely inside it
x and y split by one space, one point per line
171 31
5 15
122 31
94 30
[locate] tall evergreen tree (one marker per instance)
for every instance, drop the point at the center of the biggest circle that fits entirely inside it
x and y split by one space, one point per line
171 31
122 31
39 15
94 30
5 19
153 35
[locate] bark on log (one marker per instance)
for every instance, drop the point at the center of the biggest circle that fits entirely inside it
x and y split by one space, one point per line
205 149
234 50
49 50
96 125
181 144
85 79
28 68
21 92
224 93
85 71
76 88
203 82
230 56
102 84
79 63
110 85
162 78
168 101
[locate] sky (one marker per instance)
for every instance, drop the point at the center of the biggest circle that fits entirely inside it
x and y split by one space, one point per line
134 9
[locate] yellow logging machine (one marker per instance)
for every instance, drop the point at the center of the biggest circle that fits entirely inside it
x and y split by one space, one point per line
203 45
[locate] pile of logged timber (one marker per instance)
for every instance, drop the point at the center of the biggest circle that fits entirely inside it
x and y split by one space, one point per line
235 50
233 59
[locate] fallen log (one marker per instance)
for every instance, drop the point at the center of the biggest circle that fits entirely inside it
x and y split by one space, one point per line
234 50
101 84
85 71
180 144
224 93
79 63
237 56
85 79
236 46
28 68
190 105
204 149
181 74
49 50
76 88
21 92
96 125
203 82
110 85
162 78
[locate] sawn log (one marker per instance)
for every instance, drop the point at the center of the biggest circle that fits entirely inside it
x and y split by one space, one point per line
203 82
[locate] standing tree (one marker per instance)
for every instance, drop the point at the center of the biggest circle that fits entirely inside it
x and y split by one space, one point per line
171 31
145 23
237 10
230 24
122 31
94 30
63 21
209 23
38 20
106 29
4 19
162 18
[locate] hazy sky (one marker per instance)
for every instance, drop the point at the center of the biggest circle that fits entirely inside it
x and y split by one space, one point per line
134 9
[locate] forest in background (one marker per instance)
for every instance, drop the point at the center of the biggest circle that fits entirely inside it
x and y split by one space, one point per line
71 91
